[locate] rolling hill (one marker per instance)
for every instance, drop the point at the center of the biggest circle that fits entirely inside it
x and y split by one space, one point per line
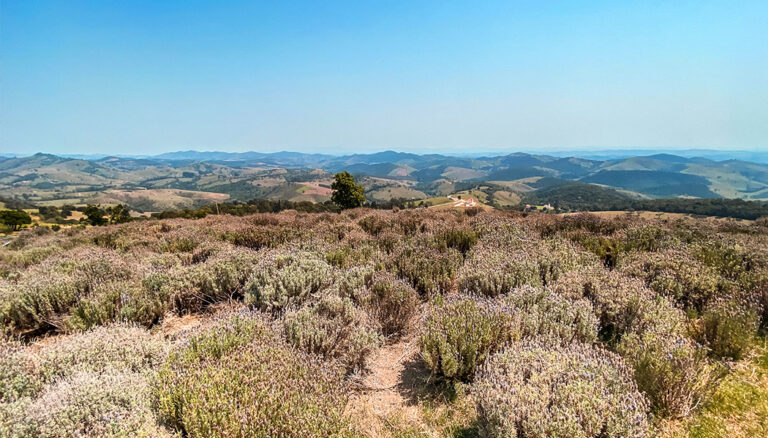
189 178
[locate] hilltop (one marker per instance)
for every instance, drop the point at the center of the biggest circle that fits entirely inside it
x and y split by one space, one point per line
431 322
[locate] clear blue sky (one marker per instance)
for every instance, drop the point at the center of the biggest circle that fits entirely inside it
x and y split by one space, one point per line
143 77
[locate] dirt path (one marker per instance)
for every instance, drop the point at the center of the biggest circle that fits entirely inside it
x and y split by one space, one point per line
390 388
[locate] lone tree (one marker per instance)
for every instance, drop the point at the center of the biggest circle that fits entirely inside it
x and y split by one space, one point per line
95 215
119 214
14 218
346 192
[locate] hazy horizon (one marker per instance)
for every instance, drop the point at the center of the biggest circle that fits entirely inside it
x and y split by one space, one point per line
597 154
143 78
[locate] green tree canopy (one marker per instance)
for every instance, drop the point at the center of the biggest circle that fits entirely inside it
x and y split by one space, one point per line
346 192
119 214
95 215
15 218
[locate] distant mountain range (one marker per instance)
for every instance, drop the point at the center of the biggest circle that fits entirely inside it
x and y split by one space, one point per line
756 156
191 178
715 155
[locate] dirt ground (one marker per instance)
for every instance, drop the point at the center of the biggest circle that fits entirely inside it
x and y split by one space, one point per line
390 387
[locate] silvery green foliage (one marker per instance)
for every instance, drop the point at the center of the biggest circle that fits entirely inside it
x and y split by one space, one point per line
334 328
672 370
222 276
94 383
537 390
529 278
25 258
495 273
458 334
287 279
17 378
622 304
107 404
547 316
238 379
119 347
556 256
729 326
494 268
39 298
429 270
675 274
11 415
353 282
650 333
218 276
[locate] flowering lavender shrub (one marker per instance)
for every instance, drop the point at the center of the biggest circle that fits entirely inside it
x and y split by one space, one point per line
493 270
262 237
17 378
495 273
729 327
107 404
41 297
348 256
11 415
117 347
353 282
622 304
34 302
392 303
32 256
410 224
459 239
92 383
648 238
675 299
556 257
677 275
287 279
237 380
547 316
459 334
373 224
548 226
728 260
118 301
177 244
334 328
650 333
429 270
534 390
219 278
673 371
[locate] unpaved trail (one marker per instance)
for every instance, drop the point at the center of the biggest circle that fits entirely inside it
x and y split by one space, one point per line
390 387
173 324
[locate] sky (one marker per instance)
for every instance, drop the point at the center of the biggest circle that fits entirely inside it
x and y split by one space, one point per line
146 77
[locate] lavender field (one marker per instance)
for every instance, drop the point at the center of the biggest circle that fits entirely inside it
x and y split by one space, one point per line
386 323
